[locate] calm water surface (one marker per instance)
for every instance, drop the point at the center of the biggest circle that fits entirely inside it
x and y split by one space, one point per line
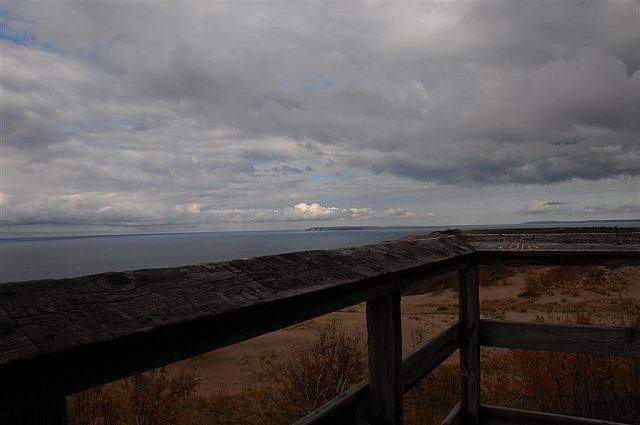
58 257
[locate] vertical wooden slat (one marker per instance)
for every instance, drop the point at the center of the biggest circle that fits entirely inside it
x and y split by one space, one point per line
52 413
385 359
469 345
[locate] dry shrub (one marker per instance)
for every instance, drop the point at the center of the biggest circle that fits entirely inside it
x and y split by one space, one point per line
429 402
154 398
317 373
602 280
489 276
535 285
150 398
96 406
435 284
312 376
496 275
584 385
550 278
570 384
249 407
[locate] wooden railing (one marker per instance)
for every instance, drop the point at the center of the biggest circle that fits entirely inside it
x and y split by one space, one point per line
58 337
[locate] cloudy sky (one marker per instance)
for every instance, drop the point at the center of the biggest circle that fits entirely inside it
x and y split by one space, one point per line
185 115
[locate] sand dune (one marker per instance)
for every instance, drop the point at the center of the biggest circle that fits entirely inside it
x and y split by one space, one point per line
232 369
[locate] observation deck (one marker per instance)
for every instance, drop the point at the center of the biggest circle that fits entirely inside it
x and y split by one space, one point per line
59 337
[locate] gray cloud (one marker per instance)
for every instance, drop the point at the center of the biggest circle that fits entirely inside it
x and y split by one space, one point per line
258 106
547 207
624 207
98 209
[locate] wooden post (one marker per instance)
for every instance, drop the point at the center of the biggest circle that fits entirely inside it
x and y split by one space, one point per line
469 345
385 359
52 413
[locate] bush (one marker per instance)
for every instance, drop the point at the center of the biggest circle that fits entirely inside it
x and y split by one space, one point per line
431 400
601 280
317 373
154 399
596 387
150 398
96 406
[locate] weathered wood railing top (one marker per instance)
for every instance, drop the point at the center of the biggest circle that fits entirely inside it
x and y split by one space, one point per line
58 337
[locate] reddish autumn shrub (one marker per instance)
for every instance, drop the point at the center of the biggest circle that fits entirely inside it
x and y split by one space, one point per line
598 387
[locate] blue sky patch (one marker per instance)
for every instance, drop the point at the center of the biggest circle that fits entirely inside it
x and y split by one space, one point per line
21 38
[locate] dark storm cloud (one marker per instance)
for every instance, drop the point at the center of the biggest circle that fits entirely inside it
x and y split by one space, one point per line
539 32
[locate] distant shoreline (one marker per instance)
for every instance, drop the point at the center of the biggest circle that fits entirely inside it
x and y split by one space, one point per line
595 223
326 228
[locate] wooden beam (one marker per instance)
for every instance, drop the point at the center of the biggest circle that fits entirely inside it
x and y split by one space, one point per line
600 340
69 335
469 345
348 407
58 337
453 418
494 415
567 249
385 359
426 356
515 259
14 344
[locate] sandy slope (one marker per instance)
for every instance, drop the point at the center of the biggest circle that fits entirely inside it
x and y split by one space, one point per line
230 369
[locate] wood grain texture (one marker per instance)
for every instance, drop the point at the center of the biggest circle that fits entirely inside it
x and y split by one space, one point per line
569 249
95 329
14 344
385 359
494 415
600 340
469 300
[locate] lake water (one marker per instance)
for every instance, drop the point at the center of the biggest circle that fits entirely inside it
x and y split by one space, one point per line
57 257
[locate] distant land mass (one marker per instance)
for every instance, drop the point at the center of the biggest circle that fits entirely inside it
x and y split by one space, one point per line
324 228
632 222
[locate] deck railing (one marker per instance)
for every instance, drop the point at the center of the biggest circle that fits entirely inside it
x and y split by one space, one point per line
58 337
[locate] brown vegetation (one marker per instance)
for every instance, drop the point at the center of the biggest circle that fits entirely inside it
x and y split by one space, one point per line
316 374
489 276
289 389
290 384
601 280
150 398
583 385
429 402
